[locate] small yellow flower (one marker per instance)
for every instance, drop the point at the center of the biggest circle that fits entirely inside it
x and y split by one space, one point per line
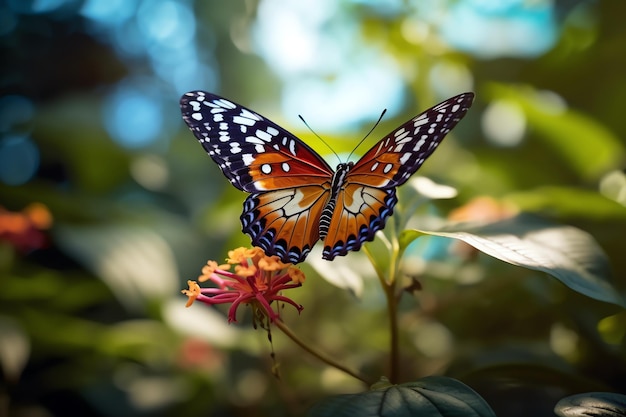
245 270
237 256
255 253
271 263
296 275
210 268
193 292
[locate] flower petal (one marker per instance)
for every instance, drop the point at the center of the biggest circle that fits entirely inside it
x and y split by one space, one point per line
193 292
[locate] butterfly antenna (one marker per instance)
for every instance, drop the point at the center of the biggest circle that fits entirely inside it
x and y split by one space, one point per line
318 136
368 133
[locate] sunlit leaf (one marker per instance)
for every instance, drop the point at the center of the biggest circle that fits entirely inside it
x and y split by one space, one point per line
567 253
214 329
613 186
14 348
344 272
592 404
135 262
433 396
408 236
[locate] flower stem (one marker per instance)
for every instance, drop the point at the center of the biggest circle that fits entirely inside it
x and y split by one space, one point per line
319 355
392 309
389 287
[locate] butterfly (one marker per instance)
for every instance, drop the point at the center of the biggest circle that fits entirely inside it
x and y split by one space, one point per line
296 198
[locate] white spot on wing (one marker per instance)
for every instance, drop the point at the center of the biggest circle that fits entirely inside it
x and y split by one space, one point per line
255 141
235 147
419 144
243 121
266 169
247 159
263 135
222 102
420 121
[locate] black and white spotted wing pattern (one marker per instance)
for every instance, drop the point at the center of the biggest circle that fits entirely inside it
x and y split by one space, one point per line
296 198
396 157
254 153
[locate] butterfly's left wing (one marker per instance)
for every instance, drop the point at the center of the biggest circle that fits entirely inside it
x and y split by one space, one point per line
288 181
253 152
285 222
368 198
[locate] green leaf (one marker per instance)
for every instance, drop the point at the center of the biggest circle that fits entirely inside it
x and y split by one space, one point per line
134 261
433 396
585 144
598 404
565 252
566 202
408 236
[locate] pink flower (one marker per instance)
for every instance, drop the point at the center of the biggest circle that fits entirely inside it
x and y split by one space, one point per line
258 280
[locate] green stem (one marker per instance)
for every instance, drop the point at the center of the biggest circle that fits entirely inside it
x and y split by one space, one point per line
392 310
319 355
389 287
392 306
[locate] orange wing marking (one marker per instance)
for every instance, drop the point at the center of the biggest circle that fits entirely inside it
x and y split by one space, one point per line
286 220
360 212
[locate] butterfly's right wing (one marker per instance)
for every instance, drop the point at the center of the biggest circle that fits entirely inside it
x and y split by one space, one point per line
369 196
392 161
360 211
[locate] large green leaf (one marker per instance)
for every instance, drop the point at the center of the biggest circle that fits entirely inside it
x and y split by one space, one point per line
597 404
565 252
433 396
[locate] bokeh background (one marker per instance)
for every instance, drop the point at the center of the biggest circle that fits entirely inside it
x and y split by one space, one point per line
109 205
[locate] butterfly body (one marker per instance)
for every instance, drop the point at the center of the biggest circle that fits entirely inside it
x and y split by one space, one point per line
339 179
296 198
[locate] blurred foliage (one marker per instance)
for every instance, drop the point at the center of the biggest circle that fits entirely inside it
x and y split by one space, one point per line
91 318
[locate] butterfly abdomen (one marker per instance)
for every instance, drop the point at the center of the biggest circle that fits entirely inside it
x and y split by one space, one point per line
339 179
